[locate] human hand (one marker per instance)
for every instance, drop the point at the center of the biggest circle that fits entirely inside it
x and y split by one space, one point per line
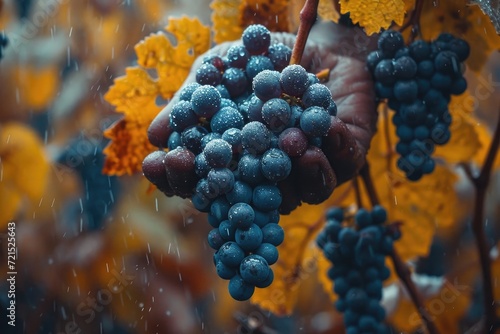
315 174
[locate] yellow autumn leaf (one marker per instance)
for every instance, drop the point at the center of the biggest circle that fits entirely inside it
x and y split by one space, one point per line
467 22
37 86
136 93
464 141
225 14
374 15
327 11
23 168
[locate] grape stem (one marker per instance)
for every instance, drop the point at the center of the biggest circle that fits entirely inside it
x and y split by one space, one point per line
414 21
308 16
480 183
400 266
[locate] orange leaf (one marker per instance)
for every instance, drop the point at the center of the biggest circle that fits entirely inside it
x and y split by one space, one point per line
374 15
225 14
23 168
128 147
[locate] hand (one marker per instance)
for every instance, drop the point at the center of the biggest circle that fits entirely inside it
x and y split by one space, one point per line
340 49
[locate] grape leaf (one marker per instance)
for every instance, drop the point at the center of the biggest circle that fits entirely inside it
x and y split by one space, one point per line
23 168
467 22
225 13
492 9
327 11
135 94
374 15
464 142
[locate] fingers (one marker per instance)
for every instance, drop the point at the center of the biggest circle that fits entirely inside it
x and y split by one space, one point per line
344 154
155 171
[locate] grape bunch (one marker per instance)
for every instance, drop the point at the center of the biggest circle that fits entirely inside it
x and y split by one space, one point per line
238 130
358 258
418 81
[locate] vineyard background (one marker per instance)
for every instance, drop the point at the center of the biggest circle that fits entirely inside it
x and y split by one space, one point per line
79 229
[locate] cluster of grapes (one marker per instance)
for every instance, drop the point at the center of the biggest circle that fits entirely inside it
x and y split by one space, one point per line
358 257
245 118
418 81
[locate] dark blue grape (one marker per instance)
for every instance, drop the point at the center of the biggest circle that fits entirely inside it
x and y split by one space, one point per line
257 64
224 271
191 138
317 95
254 269
174 141
294 80
221 179
280 55
215 239
269 252
266 85
315 121
275 165
208 74
187 91
239 289
231 254
384 72
276 113
235 81
205 101
237 56
255 137
266 198
226 118
242 215
389 42
256 39
405 68
241 193
249 170
218 153
273 234
250 238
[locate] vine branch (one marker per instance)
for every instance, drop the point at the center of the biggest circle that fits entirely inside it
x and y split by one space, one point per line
414 21
400 266
480 183
308 16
